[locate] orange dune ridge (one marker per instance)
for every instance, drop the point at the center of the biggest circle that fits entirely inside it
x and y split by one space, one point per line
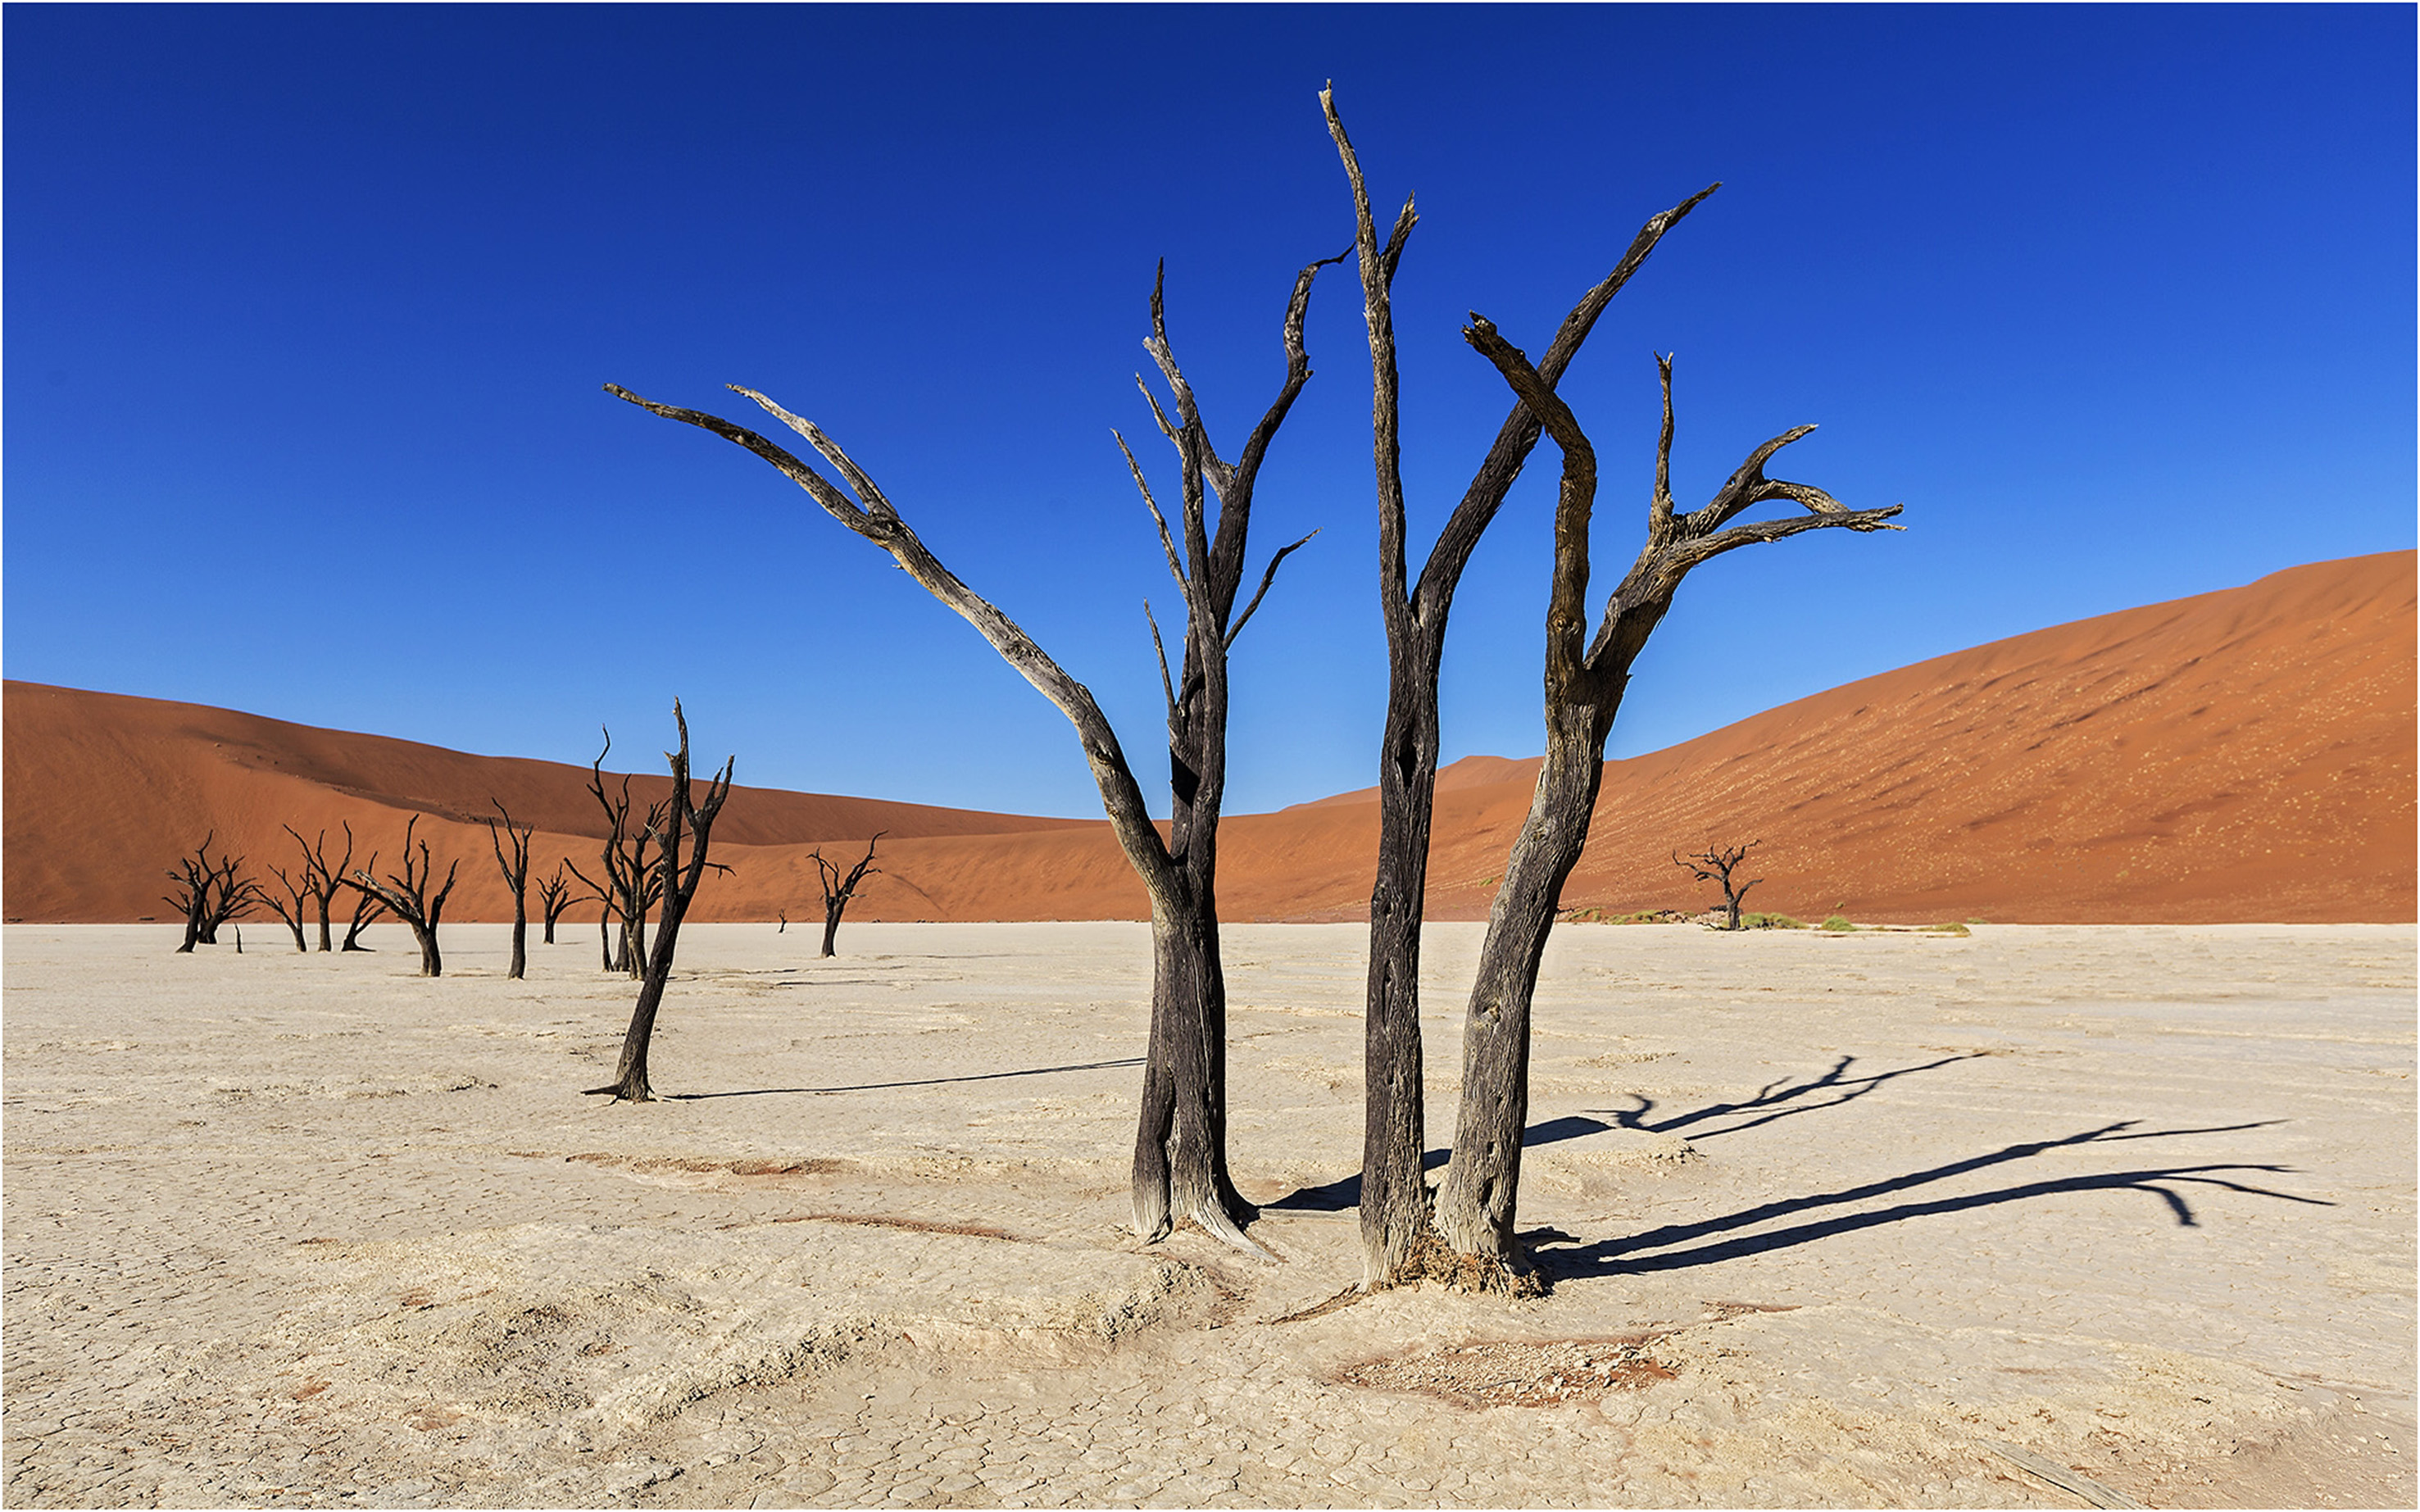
2244 756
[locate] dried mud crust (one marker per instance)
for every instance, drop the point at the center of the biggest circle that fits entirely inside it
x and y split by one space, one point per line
1515 1373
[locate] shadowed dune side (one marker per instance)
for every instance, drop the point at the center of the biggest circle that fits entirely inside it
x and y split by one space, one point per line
2237 757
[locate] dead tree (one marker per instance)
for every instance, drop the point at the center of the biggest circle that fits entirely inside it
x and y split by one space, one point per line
632 882
1394 1192
839 888
1584 683
325 881
296 891
516 870
367 909
1716 863
677 877
1180 1166
408 897
554 899
209 893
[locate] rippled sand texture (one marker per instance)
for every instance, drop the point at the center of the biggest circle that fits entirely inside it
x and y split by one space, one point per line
1828 1219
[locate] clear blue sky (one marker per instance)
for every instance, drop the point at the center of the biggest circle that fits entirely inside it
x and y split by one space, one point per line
307 311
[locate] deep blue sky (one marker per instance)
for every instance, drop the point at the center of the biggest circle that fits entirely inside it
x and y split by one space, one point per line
307 311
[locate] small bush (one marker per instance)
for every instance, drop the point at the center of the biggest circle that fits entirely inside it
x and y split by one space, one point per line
1838 923
1771 921
1947 928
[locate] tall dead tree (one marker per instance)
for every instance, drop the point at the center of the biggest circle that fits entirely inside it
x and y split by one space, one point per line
209 893
632 882
515 870
290 913
408 899
554 898
1180 1166
1716 863
1394 1192
683 823
1585 679
839 887
324 879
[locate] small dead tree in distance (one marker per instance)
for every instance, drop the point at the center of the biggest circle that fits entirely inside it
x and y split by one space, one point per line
632 884
840 888
1394 1210
1716 863
209 893
676 883
516 870
325 881
408 897
1180 1167
1585 681
554 898
367 909
291 916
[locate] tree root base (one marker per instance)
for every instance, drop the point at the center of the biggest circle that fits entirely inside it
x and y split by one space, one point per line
1432 1259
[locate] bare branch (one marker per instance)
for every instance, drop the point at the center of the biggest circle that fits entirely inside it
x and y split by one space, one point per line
1267 578
1166 686
1659 511
1166 542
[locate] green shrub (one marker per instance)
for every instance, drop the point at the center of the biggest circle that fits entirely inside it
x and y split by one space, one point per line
1838 923
1771 921
1946 929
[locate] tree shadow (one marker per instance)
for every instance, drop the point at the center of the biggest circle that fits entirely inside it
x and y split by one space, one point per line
1676 1247
1336 1196
885 1086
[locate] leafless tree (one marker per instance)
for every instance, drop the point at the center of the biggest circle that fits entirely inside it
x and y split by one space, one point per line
296 889
632 882
324 879
515 870
209 893
678 875
367 909
1585 679
1394 1193
839 887
1716 863
408 899
554 898
1180 1167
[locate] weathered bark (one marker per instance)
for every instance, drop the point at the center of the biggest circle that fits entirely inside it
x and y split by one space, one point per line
1180 1169
408 899
678 877
1716 863
839 887
1395 1209
554 897
516 870
1584 683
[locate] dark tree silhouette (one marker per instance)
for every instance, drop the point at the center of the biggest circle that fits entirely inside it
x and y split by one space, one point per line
209 893
633 882
1584 681
323 879
840 887
367 909
1394 1194
515 870
408 897
1716 863
554 898
289 913
1180 1167
676 883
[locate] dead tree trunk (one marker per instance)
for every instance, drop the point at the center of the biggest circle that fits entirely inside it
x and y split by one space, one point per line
1180 1168
554 899
325 881
296 891
1394 1191
367 909
210 893
408 897
1584 681
840 887
516 870
1716 863
678 877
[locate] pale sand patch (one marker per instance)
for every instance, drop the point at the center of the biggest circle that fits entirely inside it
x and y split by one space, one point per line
1826 1217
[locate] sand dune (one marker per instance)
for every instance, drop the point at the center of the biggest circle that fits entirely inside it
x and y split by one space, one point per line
2241 756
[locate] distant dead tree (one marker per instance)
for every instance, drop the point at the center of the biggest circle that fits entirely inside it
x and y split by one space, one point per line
367 909
1584 681
296 889
516 870
209 893
554 898
678 875
633 882
324 879
1716 863
1180 1164
408 897
840 887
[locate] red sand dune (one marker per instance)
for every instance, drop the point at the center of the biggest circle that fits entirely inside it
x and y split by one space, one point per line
2241 756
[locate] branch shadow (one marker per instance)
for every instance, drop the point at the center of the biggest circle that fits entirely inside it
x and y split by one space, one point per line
885 1086
1629 1254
